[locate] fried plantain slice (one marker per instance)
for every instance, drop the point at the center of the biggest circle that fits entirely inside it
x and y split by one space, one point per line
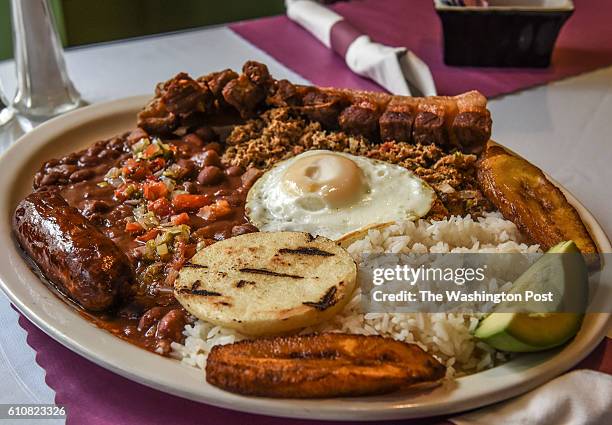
320 365
524 195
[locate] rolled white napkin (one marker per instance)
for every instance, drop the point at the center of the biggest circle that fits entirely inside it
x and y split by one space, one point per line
581 397
394 68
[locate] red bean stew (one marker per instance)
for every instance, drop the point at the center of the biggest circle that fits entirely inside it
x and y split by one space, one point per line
159 201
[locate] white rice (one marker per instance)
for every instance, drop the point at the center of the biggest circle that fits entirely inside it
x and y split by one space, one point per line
448 336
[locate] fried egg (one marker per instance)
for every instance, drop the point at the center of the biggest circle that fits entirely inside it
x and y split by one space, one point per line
332 193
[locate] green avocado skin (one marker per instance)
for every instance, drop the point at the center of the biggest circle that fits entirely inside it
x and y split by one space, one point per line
503 330
505 341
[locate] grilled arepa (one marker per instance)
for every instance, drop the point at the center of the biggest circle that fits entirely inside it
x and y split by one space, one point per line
524 195
267 283
324 365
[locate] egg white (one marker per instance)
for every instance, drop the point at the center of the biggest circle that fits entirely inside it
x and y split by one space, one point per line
393 194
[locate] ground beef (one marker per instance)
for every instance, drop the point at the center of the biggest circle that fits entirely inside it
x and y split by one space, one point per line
277 135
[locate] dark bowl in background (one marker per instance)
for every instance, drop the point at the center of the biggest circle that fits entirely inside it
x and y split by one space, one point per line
504 34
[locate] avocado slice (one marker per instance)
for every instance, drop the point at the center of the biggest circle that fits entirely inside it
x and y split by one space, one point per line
535 328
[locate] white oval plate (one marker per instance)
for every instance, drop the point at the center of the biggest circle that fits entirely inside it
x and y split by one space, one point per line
82 127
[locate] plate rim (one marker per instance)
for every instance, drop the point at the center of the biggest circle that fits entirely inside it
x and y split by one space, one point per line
363 408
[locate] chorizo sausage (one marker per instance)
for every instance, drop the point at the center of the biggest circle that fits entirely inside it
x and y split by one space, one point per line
72 253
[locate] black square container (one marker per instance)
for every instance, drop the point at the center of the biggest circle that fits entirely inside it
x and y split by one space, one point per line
510 33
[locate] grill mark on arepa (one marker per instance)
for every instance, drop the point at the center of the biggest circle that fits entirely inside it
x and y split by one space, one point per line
269 273
325 302
205 293
305 250
195 266
194 290
242 283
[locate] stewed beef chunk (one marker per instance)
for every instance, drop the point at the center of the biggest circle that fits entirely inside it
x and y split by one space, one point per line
156 119
285 94
258 73
183 95
244 95
217 80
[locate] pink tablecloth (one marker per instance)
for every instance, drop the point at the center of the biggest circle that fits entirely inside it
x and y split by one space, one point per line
585 44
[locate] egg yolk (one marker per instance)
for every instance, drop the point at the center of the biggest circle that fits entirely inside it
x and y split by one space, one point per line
335 179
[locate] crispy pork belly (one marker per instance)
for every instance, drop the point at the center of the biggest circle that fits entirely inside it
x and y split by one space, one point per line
472 124
461 122
323 107
361 118
397 121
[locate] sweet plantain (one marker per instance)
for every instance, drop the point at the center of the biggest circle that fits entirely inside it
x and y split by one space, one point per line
525 196
323 365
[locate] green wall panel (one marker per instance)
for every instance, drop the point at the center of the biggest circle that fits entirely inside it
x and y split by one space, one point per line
6 39
91 21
